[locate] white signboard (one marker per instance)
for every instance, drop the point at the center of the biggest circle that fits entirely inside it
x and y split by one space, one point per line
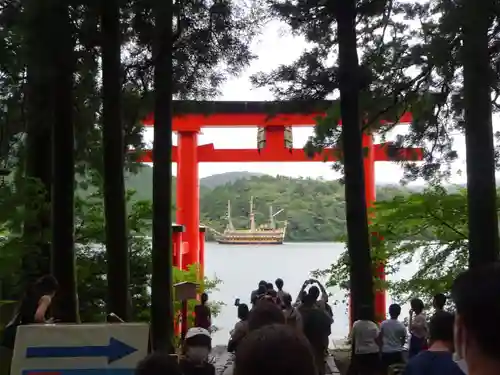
79 349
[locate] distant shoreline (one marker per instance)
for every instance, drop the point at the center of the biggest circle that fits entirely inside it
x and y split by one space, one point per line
285 242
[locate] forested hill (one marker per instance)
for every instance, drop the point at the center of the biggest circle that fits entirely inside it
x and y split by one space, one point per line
215 180
314 208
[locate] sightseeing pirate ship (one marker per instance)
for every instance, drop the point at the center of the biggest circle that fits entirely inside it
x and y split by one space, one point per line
267 234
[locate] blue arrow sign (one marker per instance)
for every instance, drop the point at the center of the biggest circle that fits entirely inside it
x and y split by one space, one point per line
114 351
86 371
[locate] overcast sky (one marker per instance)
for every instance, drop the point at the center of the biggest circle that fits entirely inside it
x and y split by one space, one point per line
275 47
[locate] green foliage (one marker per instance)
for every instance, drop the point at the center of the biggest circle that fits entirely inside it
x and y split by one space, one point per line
206 285
403 67
429 228
90 253
211 182
314 209
213 44
91 258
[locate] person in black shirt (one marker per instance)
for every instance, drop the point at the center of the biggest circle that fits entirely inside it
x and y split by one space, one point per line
439 301
202 313
281 293
316 325
261 289
33 308
258 294
240 328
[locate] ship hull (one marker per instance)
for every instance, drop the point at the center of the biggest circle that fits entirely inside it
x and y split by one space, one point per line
249 242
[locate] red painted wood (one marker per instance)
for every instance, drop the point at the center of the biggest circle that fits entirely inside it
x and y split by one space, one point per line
188 155
188 195
231 120
209 154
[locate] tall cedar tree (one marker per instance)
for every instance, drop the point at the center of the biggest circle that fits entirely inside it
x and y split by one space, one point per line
206 52
457 54
63 146
204 59
481 187
36 257
118 274
162 314
358 240
331 29
393 50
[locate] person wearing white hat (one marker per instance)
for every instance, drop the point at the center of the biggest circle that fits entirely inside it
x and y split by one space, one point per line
195 350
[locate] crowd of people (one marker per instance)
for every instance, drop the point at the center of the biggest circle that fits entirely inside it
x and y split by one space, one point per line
309 315
275 335
279 336
385 348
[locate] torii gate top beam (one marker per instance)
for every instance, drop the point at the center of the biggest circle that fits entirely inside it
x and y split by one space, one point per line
193 115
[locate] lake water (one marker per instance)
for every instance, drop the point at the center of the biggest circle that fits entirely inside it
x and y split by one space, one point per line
241 267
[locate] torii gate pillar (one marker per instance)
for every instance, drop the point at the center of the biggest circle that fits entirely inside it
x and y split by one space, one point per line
370 196
188 195
188 154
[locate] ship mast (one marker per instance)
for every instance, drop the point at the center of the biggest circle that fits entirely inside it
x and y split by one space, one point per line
252 216
272 223
229 221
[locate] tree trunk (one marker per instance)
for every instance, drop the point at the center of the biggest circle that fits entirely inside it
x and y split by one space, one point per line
36 257
162 314
63 246
358 241
118 274
481 186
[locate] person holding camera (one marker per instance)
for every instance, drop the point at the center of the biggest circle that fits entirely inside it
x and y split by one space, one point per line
318 293
240 328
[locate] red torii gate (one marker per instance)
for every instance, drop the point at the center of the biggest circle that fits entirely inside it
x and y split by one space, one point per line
192 116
